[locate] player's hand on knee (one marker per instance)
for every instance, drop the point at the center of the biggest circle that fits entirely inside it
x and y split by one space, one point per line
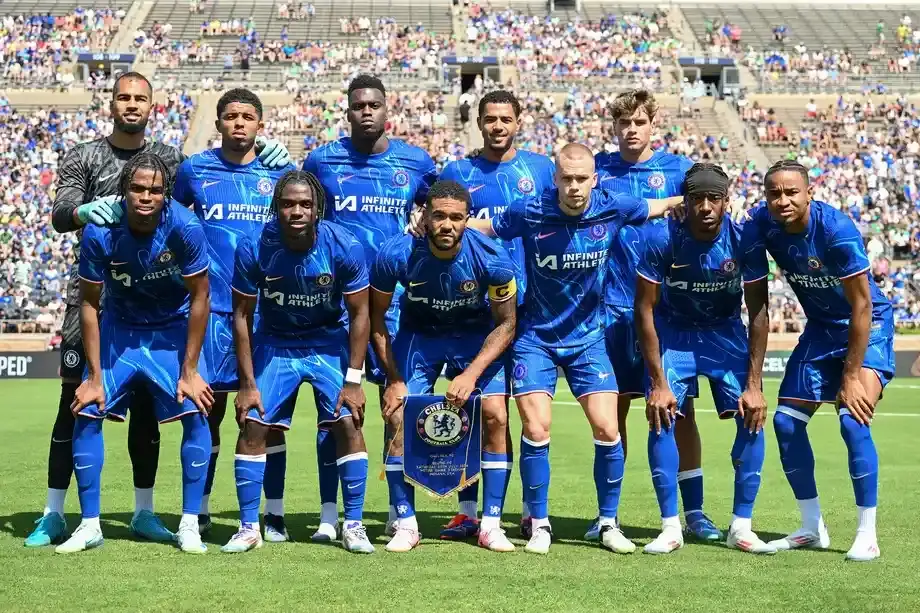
660 409
393 397
853 396
752 406
416 225
247 398
89 392
352 396
193 387
460 388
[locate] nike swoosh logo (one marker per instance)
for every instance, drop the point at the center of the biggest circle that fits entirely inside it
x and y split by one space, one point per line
82 467
475 188
608 178
417 283
107 177
198 464
545 235
328 463
209 184
345 178
679 265
352 486
270 279
63 440
118 263
614 480
535 487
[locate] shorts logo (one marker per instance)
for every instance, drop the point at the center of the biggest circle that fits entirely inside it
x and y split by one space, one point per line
525 185
814 263
324 280
519 372
598 231
165 258
71 358
400 178
265 186
728 266
656 180
469 286
442 424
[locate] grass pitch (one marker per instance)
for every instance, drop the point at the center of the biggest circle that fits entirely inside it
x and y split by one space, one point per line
127 575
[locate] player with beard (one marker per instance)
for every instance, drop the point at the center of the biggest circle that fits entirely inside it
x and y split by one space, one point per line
87 194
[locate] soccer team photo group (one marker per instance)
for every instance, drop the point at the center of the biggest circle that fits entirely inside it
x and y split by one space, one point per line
224 286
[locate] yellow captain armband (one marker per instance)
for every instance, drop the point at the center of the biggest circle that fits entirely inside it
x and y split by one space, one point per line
500 293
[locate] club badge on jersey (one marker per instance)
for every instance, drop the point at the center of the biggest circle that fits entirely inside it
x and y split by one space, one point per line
442 444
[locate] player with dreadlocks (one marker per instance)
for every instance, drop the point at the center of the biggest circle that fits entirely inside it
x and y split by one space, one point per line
688 318
153 267
305 273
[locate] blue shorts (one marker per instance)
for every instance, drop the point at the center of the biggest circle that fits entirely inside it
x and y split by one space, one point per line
280 371
587 369
132 357
814 371
719 354
218 354
625 354
373 367
422 358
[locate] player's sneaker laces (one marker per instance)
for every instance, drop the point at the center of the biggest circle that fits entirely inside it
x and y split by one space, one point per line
612 538
85 537
804 539
204 524
189 540
670 539
526 528
460 527
245 539
275 530
147 525
747 540
48 529
702 528
355 540
864 549
405 539
495 540
540 540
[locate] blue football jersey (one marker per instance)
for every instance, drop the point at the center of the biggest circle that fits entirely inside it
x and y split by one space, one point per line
232 201
301 292
660 176
701 279
814 262
445 297
565 261
143 274
494 187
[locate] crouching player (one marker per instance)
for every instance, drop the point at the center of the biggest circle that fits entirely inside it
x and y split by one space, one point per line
304 273
447 321
845 355
688 316
153 266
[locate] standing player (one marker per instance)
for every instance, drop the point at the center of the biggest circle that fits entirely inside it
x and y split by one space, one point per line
639 170
688 314
304 272
497 178
371 183
845 355
231 191
446 321
153 266
87 194
566 238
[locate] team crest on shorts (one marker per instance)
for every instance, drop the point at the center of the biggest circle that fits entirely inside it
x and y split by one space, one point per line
728 266
265 186
469 286
441 424
519 372
165 258
656 180
324 280
814 263
71 358
525 185
400 178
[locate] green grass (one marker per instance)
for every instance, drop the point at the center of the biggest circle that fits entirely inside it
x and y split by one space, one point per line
126 575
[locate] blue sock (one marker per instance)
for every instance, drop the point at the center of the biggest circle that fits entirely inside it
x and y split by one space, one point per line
496 473
795 452
194 452
609 464
212 467
88 456
468 499
863 459
353 473
691 490
275 469
664 461
535 476
748 454
250 473
402 495
326 465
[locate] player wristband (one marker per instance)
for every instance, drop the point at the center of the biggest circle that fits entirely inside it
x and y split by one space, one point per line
353 375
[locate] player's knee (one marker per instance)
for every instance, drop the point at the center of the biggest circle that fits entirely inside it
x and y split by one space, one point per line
348 437
784 425
607 432
495 417
274 437
852 431
252 438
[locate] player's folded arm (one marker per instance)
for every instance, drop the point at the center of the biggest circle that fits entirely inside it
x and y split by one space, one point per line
71 190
